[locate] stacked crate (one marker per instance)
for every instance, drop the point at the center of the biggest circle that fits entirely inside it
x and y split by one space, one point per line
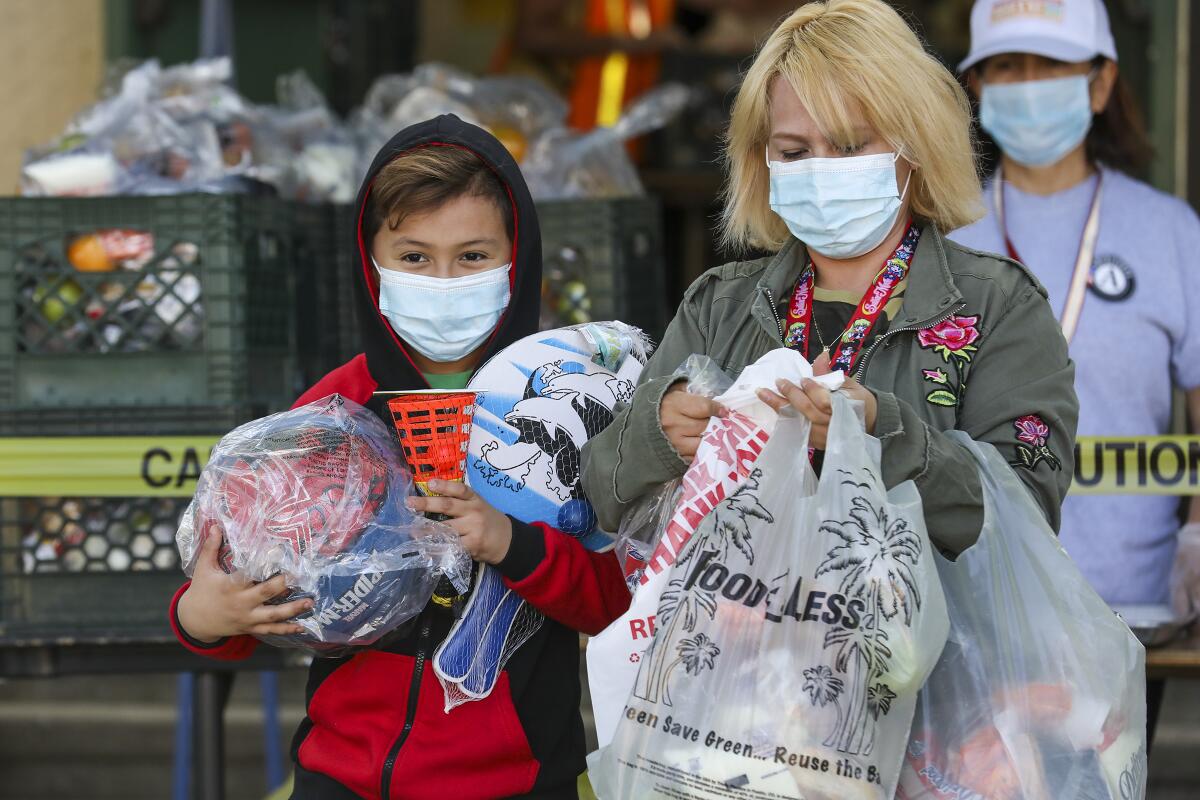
132 369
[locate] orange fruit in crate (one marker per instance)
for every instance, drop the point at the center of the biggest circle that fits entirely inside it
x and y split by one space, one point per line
513 140
88 254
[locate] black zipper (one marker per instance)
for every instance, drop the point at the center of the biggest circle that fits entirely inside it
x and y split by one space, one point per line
862 361
414 693
775 313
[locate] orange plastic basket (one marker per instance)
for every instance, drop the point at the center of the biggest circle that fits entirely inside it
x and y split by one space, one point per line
434 429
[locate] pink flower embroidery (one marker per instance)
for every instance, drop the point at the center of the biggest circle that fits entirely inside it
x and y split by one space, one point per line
1032 430
935 375
954 335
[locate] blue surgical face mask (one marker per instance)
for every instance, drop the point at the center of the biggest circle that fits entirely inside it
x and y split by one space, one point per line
1036 123
444 319
840 207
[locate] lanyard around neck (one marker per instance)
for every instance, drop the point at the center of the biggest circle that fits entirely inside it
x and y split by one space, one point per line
1081 277
849 343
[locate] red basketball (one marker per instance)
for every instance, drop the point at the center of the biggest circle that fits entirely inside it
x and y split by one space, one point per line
313 489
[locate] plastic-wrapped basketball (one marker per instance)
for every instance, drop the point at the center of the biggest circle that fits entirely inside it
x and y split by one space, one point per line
317 494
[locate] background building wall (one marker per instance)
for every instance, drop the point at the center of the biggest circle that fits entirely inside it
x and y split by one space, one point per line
53 63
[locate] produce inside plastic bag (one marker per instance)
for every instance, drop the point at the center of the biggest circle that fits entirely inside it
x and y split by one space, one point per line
796 629
318 494
1040 691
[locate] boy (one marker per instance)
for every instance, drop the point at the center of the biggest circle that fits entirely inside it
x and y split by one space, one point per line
448 273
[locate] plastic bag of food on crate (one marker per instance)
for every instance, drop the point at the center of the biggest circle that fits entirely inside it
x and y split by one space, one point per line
157 134
515 109
318 494
1040 691
564 164
796 629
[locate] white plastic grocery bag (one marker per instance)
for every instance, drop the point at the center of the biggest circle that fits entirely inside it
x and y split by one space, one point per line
1040 691
794 633
730 446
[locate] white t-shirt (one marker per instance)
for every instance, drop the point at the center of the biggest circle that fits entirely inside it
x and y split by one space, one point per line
1128 351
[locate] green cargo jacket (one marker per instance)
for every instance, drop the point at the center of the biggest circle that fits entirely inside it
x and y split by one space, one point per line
975 347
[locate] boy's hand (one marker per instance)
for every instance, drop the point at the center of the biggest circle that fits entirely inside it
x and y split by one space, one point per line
218 605
484 532
684 417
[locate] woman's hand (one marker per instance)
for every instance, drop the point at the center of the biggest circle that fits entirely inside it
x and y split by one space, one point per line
684 417
813 401
484 532
217 605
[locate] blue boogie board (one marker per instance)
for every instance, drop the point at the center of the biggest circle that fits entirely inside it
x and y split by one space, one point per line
539 401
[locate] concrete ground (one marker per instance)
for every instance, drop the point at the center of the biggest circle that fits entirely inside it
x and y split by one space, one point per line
113 737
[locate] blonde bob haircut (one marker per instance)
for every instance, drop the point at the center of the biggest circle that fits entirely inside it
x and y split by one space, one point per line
842 57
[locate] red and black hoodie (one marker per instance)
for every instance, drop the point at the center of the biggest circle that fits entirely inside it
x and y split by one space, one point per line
375 725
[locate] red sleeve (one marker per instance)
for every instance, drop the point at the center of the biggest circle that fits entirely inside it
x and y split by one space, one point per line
556 575
235 648
351 380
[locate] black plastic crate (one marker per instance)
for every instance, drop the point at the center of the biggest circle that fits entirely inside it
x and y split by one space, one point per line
202 314
328 327
603 259
87 568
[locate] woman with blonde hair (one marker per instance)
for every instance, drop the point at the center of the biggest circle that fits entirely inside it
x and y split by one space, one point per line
849 154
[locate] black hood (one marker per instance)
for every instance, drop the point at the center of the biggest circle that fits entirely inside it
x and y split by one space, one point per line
388 359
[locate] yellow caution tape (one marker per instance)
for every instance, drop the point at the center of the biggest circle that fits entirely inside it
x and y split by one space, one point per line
120 466
1137 465
103 466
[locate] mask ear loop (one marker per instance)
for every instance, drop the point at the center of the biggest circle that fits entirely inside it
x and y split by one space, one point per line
908 180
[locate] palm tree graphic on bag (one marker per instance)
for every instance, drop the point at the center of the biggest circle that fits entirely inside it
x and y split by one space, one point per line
679 606
875 556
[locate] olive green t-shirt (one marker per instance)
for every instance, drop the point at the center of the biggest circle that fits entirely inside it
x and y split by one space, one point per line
832 312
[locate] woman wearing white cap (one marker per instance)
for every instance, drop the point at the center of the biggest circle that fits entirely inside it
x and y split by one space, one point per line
1115 255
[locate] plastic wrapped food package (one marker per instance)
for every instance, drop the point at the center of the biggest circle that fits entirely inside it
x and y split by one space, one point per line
318 494
563 164
156 132
185 129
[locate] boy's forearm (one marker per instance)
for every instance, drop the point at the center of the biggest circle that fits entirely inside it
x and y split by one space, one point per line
555 574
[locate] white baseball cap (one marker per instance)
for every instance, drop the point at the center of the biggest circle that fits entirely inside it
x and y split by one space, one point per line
1066 30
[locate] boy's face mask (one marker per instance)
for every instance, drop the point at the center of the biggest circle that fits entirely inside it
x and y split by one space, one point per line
444 319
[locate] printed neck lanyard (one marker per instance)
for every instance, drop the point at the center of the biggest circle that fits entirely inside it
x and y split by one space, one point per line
849 343
1082 276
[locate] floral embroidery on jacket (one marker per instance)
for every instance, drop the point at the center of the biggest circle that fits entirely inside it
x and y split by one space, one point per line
1032 434
955 337
954 340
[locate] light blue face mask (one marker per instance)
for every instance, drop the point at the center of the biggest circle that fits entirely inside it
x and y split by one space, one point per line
840 207
1036 123
445 319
